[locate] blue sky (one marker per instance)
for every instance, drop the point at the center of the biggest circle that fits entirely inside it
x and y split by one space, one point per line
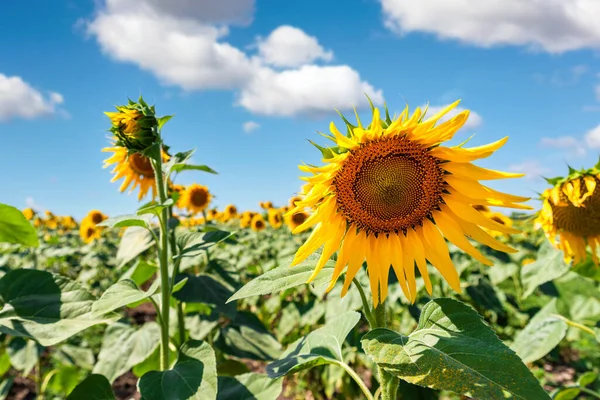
282 67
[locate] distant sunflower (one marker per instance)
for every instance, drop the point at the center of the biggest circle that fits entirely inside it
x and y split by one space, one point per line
295 220
265 205
275 218
68 223
29 213
258 223
294 199
501 219
51 220
246 219
196 198
135 168
95 217
389 193
89 231
230 212
179 189
571 212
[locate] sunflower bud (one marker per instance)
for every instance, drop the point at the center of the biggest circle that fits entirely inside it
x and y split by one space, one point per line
134 125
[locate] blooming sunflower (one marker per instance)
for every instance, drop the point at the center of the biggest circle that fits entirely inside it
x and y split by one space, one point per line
389 194
295 220
29 213
196 198
257 223
135 168
246 219
294 199
89 231
68 222
95 217
501 219
571 212
275 219
266 204
230 212
179 189
51 220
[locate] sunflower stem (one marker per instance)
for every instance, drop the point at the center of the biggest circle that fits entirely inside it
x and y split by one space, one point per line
165 284
388 382
365 304
361 384
180 314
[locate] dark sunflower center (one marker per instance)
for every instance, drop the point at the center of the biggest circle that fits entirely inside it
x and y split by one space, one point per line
96 218
89 232
232 210
277 218
298 218
259 224
141 165
199 197
389 185
581 221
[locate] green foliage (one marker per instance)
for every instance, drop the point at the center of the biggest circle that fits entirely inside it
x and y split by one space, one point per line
94 387
14 228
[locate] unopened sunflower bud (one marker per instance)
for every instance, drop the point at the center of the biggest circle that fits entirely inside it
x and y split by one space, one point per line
134 125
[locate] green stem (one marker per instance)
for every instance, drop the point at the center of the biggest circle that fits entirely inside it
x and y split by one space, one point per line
39 378
590 392
165 285
180 314
180 323
356 379
365 303
379 313
388 382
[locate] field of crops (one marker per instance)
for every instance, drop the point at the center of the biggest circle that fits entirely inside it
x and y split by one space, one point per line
394 273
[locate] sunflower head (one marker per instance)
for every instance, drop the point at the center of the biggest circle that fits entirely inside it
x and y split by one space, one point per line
68 223
196 198
571 212
258 223
230 212
501 219
95 217
266 205
390 194
134 125
88 231
246 219
294 199
29 213
275 218
295 219
176 191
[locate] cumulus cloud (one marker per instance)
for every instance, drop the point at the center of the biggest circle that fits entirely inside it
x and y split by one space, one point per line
555 26
287 46
592 138
250 126
532 169
473 122
571 145
18 99
189 50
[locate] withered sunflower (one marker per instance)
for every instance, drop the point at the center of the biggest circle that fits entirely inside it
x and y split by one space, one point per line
571 212
389 194
135 168
258 223
196 198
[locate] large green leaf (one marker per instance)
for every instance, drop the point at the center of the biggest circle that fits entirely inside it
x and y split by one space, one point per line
249 386
46 307
124 221
193 243
543 333
140 272
135 240
549 265
285 277
94 387
321 346
193 377
125 346
14 228
24 354
206 289
452 348
578 298
246 337
120 294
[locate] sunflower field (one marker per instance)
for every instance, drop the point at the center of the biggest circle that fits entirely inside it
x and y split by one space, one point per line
393 273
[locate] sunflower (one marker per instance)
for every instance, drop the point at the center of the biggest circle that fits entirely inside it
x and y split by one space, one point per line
134 125
89 231
68 223
51 221
501 219
95 217
388 194
296 219
571 212
196 198
135 168
29 213
246 219
265 205
257 223
177 189
230 212
275 218
294 199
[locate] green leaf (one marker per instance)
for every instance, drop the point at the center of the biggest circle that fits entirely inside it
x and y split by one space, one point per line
566 394
247 337
94 387
193 377
321 346
587 378
543 333
285 277
188 167
5 387
205 289
178 158
134 242
578 298
120 294
192 243
453 349
46 307
81 357
163 120
123 221
23 354
249 386
549 265
140 272
125 346
155 209
14 227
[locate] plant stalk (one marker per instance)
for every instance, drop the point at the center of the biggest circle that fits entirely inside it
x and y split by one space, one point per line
365 303
165 284
388 382
356 379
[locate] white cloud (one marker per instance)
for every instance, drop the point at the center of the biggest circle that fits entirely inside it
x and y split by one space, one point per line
250 126
570 144
19 100
310 89
31 203
473 122
552 25
532 169
287 46
189 51
592 138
